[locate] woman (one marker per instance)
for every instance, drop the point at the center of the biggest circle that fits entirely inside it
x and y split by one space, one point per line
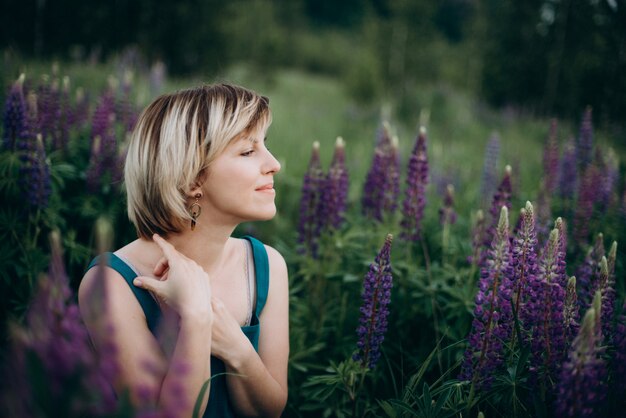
197 166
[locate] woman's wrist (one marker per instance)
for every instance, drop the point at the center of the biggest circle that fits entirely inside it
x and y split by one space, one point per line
239 355
197 317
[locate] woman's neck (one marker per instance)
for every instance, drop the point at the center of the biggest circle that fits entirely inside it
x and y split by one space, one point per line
206 245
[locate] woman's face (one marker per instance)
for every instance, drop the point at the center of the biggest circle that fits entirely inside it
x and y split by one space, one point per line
240 183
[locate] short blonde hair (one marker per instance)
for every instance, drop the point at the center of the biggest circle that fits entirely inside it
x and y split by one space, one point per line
176 138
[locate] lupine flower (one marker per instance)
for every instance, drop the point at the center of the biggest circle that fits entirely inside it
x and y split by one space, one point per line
447 215
585 140
48 106
157 78
606 287
374 310
15 119
502 197
52 353
551 159
382 184
582 384
492 324
104 152
570 311
309 226
587 272
35 179
560 226
545 311
478 233
619 359
490 162
80 114
587 193
568 175
608 177
524 260
335 189
544 214
415 195
124 109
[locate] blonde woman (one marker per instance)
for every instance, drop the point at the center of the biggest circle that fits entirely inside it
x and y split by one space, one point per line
197 166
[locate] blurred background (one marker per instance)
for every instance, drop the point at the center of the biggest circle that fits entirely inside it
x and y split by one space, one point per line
543 57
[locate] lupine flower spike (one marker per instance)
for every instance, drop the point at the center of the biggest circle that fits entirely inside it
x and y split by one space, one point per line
36 176
374 310
607 291
524 260
335 190
588 271
382 184
582 383
478 233
309 226
585 140
544 313
15 123
447 215
619 359
502 197
488 178
551 159
492 324
570 311
568 172
415 195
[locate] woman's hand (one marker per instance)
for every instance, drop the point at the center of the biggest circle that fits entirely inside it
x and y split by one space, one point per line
228 341
181 283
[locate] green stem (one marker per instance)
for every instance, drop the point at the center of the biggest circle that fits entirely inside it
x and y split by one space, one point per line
433 303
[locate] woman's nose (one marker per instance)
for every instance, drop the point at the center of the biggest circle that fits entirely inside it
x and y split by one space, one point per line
273 166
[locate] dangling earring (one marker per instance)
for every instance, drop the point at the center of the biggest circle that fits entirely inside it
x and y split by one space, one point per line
195 210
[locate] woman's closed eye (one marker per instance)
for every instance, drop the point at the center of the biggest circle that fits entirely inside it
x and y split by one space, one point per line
247 153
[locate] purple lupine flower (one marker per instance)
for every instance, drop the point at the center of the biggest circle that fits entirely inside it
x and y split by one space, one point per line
568 174
55 346
619 359
551 159
48 107
582 381
545 311
374 310
124 109
490 162
493 319
335 188
587 272
478 239
570 311
61 133
607 177
35 178
544 214
447 214
587 193
561 226
104 152
80 113
524 261
585 140
606 287
382 184
415 194
309 225
15 118
502 197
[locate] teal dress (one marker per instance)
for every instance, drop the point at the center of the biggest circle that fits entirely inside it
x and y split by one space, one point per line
219 402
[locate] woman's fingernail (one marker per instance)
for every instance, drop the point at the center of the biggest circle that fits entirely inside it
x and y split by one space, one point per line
137 282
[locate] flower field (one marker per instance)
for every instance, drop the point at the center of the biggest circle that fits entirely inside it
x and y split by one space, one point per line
435 271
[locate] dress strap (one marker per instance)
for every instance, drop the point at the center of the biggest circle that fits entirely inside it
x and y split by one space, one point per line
262 270
145 299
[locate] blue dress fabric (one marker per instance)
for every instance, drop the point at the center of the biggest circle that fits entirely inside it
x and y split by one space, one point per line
219 404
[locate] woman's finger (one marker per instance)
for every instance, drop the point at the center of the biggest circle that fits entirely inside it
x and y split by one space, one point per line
161 267
153 285
167 248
